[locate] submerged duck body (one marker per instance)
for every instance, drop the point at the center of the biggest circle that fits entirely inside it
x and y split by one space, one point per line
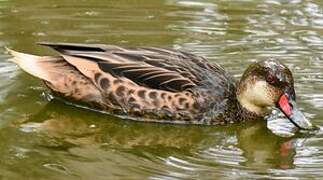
160 85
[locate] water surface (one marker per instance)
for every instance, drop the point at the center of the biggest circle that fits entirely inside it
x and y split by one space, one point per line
51 140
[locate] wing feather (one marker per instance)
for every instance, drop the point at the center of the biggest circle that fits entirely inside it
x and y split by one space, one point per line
157 68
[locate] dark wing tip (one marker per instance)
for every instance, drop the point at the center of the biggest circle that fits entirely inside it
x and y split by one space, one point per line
62 47
45 43
54 44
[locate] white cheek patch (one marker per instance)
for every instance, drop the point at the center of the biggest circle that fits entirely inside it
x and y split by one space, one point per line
256 97
259 94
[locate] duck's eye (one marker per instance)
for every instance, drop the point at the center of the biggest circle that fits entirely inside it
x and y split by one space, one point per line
271 79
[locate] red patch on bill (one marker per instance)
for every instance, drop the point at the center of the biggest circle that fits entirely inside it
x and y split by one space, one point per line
284 105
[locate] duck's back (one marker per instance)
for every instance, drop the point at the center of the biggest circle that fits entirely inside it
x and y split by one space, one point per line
153 84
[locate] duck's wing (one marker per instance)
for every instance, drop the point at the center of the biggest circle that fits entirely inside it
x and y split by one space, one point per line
156 68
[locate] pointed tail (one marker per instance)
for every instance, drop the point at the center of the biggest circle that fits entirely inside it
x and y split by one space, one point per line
38 66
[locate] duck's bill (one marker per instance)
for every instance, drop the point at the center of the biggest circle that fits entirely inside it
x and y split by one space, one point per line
289 108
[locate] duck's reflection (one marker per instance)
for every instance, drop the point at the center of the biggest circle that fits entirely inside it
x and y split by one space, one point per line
261 148
253 143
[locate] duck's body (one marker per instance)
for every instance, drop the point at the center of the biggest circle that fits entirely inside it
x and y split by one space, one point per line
153 84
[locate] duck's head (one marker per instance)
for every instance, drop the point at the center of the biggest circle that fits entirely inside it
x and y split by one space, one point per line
268 84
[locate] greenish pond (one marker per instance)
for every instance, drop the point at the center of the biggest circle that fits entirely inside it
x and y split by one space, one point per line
51 140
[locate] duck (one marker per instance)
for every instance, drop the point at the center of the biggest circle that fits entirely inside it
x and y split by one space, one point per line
163 85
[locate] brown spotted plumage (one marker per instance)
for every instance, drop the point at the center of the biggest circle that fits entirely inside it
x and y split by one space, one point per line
156 84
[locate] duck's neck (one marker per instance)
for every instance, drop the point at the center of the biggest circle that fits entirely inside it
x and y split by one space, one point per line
247 112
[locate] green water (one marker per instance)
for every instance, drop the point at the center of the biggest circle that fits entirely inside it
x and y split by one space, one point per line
51 140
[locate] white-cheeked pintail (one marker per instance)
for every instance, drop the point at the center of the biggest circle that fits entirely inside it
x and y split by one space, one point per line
163 85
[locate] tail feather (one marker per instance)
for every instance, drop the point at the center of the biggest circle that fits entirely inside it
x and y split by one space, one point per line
29 63
61 77
38 66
